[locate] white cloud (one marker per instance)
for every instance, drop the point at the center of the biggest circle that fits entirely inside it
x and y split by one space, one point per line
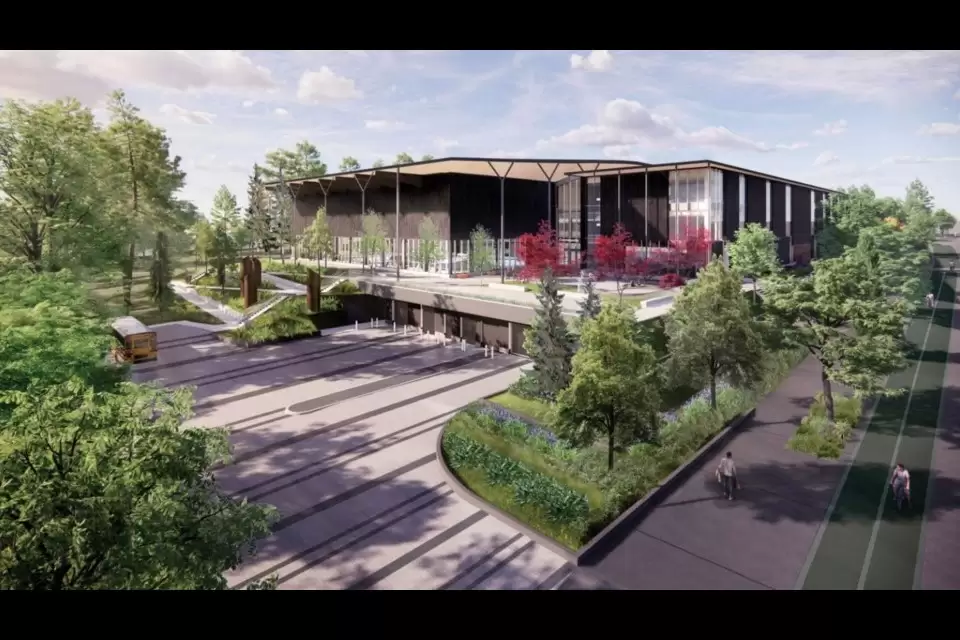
249 103
281 113
620 152
921 159
940 129
956 96
324 86
832 128
860 75
597 60
187 115
213 163
90 75
825 158
628 123
443 145
385 125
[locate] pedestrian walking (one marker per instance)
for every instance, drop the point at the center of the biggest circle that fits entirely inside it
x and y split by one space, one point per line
727 475
929 301
900 482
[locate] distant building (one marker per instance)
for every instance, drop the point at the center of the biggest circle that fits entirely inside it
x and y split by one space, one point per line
581 199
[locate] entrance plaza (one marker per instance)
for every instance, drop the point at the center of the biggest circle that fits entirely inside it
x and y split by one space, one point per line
339 433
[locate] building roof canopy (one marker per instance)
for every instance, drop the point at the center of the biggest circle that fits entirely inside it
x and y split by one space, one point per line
523 169
540 170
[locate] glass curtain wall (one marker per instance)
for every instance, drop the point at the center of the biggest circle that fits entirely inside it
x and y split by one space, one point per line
696 202
568 217
593 212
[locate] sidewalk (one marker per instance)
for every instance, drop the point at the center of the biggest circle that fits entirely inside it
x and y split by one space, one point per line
283 283
697 540
219 311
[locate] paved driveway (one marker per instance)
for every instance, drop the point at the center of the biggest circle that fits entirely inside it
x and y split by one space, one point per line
339 433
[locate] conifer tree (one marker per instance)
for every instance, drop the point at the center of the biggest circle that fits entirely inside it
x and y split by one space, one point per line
548 341
590 306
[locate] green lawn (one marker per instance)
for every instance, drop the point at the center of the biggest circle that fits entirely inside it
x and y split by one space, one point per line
535 409
632 300
107 289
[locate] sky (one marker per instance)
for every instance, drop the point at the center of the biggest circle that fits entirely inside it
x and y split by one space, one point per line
829 118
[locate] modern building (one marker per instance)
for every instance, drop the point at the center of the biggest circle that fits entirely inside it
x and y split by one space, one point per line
580 198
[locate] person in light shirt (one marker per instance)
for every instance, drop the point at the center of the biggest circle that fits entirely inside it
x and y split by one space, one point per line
900 483
727 475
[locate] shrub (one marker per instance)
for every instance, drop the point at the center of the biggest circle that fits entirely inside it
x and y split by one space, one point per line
561 504
286 320
817 436
670 281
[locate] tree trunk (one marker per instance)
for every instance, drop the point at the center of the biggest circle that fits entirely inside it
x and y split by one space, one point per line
754 289
611 428
827 394
128 277
713 391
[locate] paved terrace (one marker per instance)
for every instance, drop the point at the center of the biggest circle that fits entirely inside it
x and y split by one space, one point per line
339 433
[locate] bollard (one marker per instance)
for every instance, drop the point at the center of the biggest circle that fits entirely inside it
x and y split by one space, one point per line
463 345
484 351
356 325
371 323
394 327
405 329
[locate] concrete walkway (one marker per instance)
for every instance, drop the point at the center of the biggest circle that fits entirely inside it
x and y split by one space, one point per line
283 283
761 540
220 311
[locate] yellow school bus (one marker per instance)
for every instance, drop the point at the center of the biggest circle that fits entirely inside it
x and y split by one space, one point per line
138 342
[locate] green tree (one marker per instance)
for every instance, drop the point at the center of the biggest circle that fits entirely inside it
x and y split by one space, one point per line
318 238
403 158
848 214
51 193
161 274
945 221
202 232
378 163
548 341
107 490
613 393
303 161
481 252
374 238
428 247
225 210
918 199
854 335
283 203
223 251
590 305
712 333
145 180
426 158
754 253
258 216
349 163
50 332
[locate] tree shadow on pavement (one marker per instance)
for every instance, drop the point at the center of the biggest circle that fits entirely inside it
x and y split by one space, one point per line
337 509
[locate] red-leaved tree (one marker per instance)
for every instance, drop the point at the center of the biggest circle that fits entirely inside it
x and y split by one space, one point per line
612 257
538 251
691 249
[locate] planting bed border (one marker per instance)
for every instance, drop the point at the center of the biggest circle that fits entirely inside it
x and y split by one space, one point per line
246 344
624 521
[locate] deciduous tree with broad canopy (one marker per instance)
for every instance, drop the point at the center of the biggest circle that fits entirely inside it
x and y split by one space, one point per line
712 333
614 388
753 253
855 335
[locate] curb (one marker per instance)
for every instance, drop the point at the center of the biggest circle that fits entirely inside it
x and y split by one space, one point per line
628 518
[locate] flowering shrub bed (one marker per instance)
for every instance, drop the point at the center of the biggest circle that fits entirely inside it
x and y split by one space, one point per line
600 495
670 281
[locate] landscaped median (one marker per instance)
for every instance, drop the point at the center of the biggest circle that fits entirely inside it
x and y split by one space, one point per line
502 451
